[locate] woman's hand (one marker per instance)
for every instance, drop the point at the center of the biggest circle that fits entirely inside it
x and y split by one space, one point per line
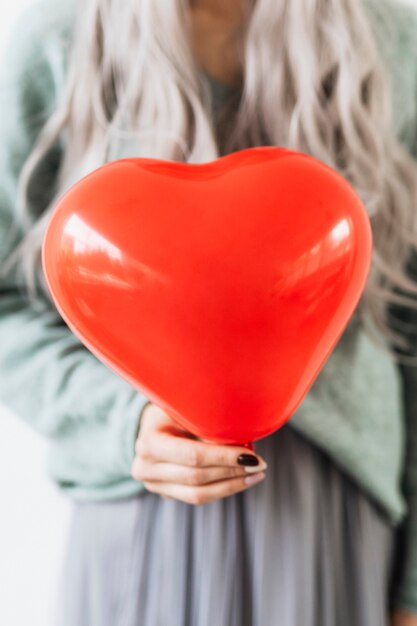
175 464
403 619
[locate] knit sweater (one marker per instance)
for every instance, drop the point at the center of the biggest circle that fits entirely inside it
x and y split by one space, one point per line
362 408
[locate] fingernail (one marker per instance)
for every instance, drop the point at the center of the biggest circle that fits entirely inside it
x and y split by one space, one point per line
255 478
247 459
256 468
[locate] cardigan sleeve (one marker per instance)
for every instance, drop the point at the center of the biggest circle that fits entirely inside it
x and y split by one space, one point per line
47 377
395 23
405 590
405 584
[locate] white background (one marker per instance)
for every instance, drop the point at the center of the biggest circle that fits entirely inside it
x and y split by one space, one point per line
34 516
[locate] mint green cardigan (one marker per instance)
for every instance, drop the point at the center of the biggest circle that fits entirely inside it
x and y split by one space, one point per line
356 411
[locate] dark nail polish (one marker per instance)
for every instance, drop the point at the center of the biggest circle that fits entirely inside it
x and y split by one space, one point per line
247 459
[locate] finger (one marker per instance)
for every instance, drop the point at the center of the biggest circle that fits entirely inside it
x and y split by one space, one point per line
158 418
183 474
205 493
193 453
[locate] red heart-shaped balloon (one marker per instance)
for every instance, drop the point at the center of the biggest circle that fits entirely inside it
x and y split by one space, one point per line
217 289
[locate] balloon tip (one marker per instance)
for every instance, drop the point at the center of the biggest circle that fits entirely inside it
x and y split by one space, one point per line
249 445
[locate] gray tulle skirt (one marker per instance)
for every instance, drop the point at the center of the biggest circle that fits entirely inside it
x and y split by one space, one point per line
305 547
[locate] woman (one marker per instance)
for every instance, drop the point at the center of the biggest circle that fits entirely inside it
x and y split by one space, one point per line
318 527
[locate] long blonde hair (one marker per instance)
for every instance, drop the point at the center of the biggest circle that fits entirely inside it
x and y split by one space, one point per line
312 80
